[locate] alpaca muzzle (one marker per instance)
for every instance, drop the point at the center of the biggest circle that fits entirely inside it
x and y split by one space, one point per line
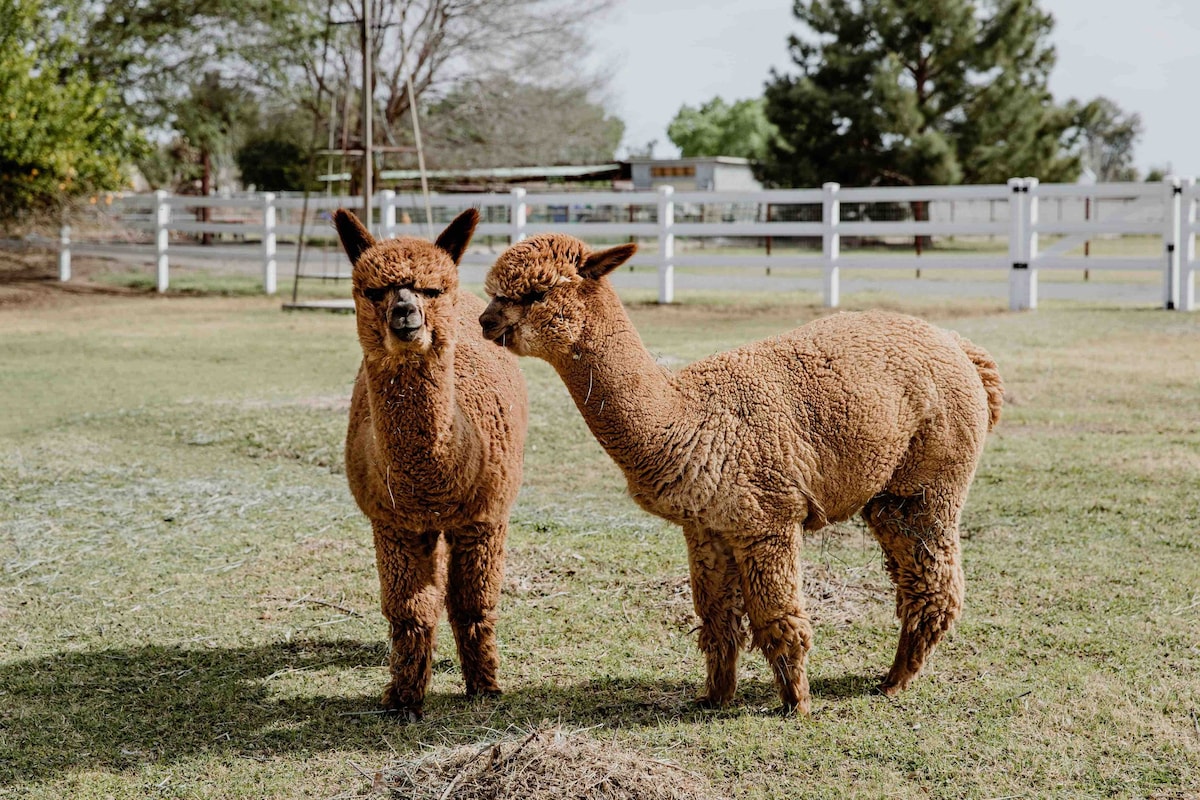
405 318
493 324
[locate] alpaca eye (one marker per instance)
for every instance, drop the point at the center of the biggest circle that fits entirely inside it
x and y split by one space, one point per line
375 295
534 297
431 293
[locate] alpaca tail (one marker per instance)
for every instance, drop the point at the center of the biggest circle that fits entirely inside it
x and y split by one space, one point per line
989 373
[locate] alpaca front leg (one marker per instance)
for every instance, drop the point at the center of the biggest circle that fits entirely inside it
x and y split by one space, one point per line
717 597
473 592
769 566
411 581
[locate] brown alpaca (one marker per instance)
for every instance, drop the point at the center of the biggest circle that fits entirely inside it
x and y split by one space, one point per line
871 412
433 451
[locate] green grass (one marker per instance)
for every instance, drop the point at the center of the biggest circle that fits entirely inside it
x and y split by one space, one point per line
188 600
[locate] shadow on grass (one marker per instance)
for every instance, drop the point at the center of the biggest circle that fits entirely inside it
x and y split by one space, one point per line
119 709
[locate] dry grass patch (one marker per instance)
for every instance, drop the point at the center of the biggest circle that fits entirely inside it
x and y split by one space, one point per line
543 764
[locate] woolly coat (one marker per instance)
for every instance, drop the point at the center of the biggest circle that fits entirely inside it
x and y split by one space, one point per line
873 412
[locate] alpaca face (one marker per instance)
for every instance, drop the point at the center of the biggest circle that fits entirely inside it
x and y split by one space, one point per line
540 290
404 289
406 314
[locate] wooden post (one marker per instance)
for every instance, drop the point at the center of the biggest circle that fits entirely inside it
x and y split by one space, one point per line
387 214
831 243
1187 244
64 253
269 261
368 107
518 212
666 244
162 218
1019 287
1172 197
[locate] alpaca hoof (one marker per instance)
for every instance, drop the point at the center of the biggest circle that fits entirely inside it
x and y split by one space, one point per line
709 702
487 692
890 688
800 708
406 710
406 716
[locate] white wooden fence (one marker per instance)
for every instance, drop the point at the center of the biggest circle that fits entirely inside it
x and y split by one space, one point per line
1164 210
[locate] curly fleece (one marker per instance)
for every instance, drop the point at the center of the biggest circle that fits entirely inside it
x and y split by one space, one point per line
874 413
433 455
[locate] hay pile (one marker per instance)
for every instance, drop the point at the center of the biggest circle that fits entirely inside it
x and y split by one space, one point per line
544 764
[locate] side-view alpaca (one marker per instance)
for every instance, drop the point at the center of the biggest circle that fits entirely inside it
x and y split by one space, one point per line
873 412
433 451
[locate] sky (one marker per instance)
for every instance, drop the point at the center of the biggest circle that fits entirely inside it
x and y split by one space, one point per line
662 54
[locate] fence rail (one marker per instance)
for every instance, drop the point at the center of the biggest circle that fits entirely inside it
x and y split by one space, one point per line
1167 210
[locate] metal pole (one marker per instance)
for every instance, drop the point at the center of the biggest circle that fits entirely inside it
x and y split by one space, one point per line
367 114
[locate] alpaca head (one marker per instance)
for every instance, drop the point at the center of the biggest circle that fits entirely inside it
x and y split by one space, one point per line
540 290
404 288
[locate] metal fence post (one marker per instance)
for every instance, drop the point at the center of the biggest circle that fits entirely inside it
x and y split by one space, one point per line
387 214
64 253
517 213
1172 205
831 243
269 262
162 218
1187 245
666 244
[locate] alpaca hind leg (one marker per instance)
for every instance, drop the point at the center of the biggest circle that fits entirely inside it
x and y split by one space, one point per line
920 542
411 580
716 594
770 576
472 594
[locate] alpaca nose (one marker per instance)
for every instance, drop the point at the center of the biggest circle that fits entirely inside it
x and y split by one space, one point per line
405 314
490 321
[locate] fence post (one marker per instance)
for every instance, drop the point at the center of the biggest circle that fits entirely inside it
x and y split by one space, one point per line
1187 245
1172 205
831 243
269 262
666 244
162 218
1021 291
64 253
517 214
387 214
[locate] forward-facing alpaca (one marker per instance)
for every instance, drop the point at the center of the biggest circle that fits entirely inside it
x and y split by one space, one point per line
875 412
433 451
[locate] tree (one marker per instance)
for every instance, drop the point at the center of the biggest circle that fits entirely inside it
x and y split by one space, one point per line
61 134
917 92
720 129
502 122
153 51
1106 136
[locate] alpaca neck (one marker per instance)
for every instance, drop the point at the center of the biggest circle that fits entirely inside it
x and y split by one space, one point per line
420 429
629 401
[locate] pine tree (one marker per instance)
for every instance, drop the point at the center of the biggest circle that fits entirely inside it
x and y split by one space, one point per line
917 92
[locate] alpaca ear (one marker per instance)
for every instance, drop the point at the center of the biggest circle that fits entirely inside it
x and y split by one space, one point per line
355 238
457 236
602 262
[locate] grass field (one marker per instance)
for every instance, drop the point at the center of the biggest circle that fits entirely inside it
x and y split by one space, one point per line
188 599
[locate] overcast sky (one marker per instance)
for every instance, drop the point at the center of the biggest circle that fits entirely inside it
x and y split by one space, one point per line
662 54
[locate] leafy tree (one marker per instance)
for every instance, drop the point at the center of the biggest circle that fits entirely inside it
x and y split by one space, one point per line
275 154
720 129
212 119
61 134
1106 136
917 92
